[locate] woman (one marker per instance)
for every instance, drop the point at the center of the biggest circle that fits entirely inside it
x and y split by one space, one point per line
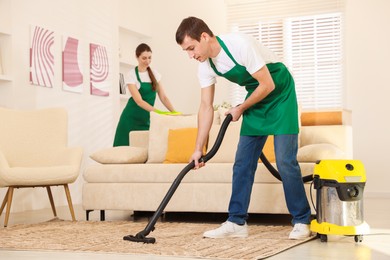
143 84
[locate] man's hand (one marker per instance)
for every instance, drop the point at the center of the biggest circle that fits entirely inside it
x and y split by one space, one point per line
236 113
195 157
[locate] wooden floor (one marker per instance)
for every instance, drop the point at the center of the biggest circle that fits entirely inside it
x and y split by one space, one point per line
374 246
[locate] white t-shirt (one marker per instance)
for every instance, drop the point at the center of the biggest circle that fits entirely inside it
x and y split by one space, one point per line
131 77
245 49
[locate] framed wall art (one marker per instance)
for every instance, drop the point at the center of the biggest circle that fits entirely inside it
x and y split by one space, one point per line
41 56
99 70
72 77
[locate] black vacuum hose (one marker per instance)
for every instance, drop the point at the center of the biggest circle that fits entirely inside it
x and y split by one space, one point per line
141 236
275 172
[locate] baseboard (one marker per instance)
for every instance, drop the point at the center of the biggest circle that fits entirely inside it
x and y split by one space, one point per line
377 195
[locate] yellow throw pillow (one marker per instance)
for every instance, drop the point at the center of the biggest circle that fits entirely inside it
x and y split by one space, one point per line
181 145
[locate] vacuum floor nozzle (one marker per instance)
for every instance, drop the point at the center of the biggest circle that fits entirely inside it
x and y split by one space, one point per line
140 239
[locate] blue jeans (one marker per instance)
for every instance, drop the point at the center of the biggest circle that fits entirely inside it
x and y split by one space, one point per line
245 165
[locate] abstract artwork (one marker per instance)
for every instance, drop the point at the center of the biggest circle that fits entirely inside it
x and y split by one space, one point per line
41 57
72 78
99 69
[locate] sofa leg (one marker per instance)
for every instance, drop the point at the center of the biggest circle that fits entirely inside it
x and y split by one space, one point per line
87 213
102 215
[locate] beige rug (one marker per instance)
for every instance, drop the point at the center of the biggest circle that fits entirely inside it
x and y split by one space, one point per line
172 239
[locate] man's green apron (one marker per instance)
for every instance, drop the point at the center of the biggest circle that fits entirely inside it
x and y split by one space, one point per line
133 117
277 113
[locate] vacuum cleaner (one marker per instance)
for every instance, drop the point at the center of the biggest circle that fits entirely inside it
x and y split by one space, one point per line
340 185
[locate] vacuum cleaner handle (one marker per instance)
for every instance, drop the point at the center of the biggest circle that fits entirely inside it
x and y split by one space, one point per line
219 139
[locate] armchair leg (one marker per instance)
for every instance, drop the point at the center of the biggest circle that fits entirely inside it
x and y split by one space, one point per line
53 207
4 202
69 201
9 201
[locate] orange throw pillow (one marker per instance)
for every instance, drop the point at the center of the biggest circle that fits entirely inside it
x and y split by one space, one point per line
181 145
269 149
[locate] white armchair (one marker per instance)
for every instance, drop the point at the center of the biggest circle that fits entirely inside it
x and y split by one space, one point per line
34 153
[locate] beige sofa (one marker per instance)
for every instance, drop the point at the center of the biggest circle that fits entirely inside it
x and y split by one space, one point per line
135 178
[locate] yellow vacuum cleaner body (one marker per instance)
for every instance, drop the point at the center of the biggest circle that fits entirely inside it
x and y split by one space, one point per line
340 185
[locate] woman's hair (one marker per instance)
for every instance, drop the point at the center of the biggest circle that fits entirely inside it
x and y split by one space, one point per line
138 51
192 27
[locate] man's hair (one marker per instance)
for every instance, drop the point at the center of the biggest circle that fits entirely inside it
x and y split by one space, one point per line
192 27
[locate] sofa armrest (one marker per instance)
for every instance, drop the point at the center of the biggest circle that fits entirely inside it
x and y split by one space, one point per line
338 135
139 138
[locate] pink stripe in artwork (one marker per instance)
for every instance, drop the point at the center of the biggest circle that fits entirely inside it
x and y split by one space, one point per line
71 70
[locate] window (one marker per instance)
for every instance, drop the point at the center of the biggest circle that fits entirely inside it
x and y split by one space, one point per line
306 35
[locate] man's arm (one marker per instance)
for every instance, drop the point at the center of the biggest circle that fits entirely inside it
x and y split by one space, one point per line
266 86
205 119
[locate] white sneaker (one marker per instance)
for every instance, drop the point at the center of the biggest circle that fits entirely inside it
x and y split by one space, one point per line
228 229
300 231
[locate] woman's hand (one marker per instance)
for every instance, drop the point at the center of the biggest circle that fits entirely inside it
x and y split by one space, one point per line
195 157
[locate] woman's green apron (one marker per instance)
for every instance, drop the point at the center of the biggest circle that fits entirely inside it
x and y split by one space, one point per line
277 113
133 117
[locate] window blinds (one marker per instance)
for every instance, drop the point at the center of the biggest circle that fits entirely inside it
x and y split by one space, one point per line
306 35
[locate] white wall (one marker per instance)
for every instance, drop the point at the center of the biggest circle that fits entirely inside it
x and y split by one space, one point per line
368 88
91 118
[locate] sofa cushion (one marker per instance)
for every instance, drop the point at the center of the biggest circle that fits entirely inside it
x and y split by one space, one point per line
121 154
158 133
338 135
314 152
227 150
139 138
181 145
214 173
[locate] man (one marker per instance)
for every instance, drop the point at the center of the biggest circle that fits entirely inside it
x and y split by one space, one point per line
270 108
